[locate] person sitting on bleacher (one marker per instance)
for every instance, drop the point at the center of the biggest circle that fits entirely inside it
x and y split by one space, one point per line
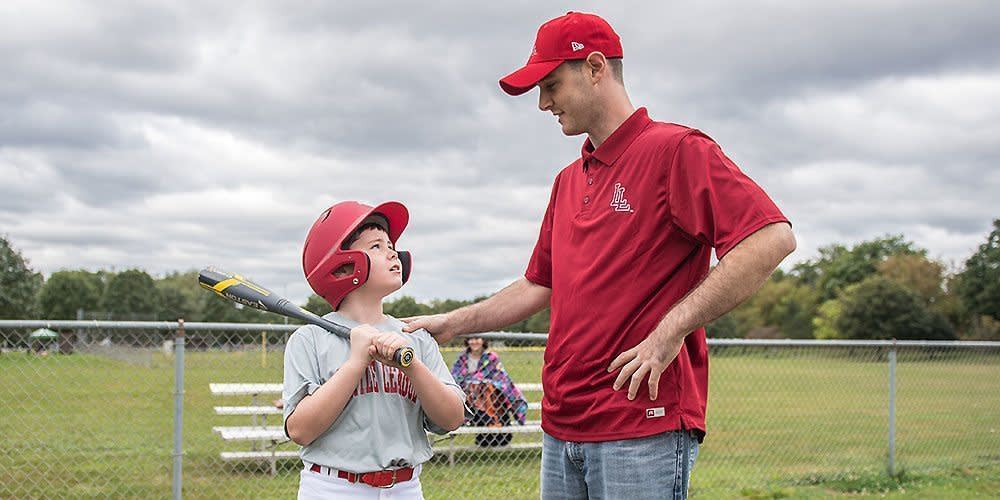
494 398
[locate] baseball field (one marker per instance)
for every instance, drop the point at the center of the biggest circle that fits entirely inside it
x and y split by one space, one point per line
782 423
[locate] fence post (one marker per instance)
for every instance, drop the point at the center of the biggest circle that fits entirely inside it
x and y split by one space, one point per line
178 409
892 409
81 336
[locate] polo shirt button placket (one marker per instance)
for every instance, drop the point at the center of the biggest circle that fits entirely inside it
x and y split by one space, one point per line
589 166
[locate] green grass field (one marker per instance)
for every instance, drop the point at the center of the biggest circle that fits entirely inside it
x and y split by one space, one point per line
795 424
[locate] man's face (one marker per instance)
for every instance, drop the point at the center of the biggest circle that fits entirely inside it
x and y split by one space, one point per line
566 94
385 272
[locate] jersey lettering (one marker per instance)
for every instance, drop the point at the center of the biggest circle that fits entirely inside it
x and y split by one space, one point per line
394 381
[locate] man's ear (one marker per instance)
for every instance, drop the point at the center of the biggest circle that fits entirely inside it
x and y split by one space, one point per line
596 65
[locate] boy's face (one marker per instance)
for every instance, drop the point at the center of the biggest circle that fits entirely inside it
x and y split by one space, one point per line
385 274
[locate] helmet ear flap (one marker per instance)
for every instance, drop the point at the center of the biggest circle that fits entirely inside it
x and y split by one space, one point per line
368 268
406 261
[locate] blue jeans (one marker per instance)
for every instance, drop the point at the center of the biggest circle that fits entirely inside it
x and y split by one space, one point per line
633 469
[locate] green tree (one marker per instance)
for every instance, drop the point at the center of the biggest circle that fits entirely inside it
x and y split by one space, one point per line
979 283
403 307
318 305
878 308
986 328
916 273
181 296
781 304
538 322
173 304
66 292
725 327
131 295
448 305
839 267
825 321
950 305
19 284
216 309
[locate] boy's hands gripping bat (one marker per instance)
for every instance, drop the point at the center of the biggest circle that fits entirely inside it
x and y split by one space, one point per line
240 290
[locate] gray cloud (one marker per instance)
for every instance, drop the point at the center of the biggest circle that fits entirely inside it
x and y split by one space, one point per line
135 135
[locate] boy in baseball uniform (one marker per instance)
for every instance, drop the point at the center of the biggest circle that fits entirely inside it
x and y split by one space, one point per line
360 417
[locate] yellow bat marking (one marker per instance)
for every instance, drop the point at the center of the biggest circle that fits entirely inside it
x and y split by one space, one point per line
226 283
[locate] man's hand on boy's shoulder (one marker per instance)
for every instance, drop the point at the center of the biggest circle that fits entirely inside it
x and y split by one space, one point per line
435 324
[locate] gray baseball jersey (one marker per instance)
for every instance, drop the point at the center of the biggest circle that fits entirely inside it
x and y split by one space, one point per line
383 425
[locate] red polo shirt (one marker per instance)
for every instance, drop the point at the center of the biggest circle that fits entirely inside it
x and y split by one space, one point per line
628 232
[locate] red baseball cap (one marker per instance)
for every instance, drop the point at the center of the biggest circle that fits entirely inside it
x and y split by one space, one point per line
565 38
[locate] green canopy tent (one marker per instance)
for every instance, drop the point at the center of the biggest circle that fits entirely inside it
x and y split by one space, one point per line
44 334
43 339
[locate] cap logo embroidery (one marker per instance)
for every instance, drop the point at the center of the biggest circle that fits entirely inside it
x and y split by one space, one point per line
618 201
534 50
576 46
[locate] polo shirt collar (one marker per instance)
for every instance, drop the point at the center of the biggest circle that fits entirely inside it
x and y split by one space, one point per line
612 148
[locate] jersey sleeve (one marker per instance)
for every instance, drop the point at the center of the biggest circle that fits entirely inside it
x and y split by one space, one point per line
301 372
430 355
539 269
711 199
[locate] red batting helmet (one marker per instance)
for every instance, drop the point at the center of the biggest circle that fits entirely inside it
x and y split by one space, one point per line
323 252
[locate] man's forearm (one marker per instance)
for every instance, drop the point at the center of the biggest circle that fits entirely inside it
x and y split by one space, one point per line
737 277
514 303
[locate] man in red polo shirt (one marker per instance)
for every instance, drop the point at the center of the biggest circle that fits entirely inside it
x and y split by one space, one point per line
622 259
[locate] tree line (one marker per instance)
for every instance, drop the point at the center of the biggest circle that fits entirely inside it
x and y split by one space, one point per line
882 288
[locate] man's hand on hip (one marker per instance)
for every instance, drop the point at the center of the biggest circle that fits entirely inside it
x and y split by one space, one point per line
650 358
740 273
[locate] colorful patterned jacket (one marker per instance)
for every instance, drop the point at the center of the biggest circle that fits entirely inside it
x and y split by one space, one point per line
490 370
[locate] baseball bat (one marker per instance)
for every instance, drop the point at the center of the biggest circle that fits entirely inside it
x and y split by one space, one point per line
242 291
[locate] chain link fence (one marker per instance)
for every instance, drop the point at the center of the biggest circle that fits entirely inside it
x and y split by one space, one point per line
88 409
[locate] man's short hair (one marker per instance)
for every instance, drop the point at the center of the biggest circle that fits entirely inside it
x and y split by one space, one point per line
615 63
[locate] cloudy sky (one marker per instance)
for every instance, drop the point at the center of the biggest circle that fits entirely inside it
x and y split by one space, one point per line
171 135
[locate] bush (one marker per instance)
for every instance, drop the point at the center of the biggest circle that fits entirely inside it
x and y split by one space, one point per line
878 308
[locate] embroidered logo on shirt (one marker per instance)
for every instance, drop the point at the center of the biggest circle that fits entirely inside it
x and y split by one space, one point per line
618 201
576 46
655 412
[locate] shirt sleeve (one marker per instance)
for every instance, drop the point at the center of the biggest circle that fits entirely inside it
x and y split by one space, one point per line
301 376
711 199
539 269
430 355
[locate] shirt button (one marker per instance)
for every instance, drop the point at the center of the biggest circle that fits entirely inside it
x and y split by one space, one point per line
590 180
586 199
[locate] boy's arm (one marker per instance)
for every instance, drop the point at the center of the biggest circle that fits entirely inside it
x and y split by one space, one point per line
442 404
317 412
514 303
